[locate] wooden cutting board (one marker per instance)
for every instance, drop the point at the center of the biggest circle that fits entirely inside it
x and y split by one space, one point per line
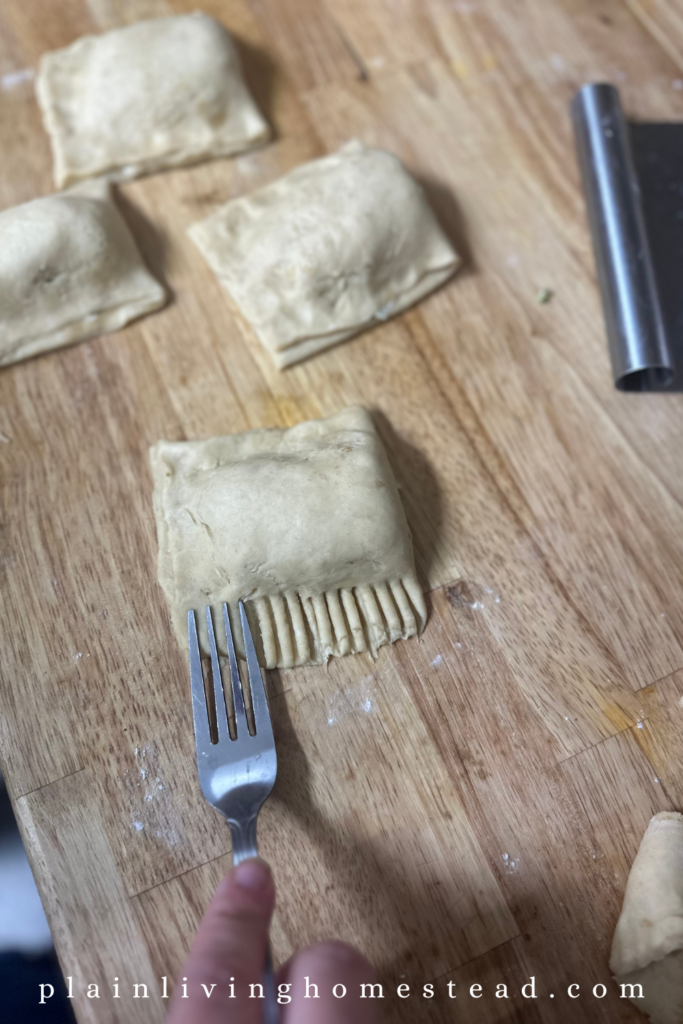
466 807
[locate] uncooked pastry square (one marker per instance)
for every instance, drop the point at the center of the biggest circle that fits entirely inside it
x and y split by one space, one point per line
69 270
331 248
305 525
155 94
647 948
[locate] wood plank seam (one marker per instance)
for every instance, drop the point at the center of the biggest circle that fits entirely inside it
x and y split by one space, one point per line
52 782
181 874
662 679
500 945
599 743
363 72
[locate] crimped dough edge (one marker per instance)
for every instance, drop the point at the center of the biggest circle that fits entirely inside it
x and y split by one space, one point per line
300 628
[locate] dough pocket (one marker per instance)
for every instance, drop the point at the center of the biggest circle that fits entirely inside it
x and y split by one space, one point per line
305 525
154 94
331 248
647 949
69 270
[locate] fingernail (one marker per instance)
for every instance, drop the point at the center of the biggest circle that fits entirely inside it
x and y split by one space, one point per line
252 874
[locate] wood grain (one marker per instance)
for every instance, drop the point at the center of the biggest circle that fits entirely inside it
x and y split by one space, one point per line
665 21
466 807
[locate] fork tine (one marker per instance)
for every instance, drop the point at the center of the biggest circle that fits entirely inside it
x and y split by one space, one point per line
199 711
259 702
218 695
241 726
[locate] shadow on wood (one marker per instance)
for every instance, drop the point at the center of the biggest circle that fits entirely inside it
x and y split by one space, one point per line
152 243
420 493
391 912
450 217
260 72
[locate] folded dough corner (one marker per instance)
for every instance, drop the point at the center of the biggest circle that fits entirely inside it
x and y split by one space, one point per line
155 94
305 525
326 251
647 948
69 270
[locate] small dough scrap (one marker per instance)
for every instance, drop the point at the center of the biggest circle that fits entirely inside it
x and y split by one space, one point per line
155 94
69 270
305 525
647 948
328 250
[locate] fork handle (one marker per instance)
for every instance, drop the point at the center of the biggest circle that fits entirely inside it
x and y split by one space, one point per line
244 846
243 835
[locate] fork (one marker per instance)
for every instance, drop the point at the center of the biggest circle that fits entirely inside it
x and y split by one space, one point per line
236 775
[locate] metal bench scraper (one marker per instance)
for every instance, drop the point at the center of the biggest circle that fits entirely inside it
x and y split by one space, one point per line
632 178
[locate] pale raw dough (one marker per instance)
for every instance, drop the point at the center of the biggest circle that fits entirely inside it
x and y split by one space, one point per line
154 94
69 270
306 525
326 251
648 941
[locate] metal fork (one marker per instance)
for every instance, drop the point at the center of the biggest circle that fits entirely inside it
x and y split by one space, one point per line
236 775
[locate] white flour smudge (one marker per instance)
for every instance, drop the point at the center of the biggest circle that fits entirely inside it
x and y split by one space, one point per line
169 835
437 661
14 78
352 700
558 63
148 794
511 866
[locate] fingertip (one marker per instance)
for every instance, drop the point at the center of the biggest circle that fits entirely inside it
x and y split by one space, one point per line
229 947
339 971
252 874
248 884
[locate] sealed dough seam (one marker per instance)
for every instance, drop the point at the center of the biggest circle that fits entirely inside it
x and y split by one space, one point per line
301 348
168 160
102 321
